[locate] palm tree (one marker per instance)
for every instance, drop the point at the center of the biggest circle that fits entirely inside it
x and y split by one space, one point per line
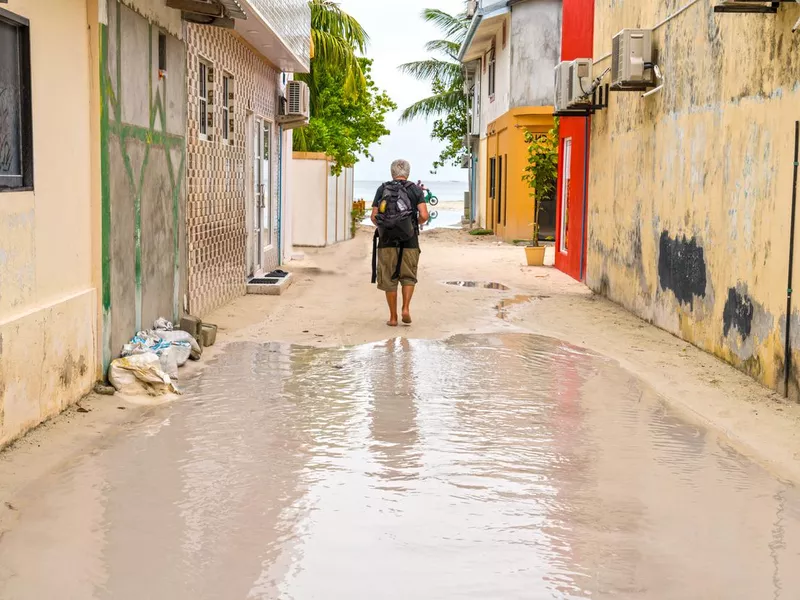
337 39
443 70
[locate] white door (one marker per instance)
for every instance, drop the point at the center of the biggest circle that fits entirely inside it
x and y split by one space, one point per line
262 190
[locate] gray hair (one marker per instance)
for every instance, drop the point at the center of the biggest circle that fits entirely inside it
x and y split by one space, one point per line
401 168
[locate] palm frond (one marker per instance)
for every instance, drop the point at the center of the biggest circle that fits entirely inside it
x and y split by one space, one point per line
430 70
435 106
327 16
454 26
446 47
334 51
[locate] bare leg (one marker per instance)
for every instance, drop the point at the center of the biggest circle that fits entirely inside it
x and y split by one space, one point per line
391 300
408 293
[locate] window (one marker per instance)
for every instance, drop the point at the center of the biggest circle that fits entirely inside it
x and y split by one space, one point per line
16 133
505 190
492 73
505 34
492 177
227 109
566 168
500 213
162 55
206 100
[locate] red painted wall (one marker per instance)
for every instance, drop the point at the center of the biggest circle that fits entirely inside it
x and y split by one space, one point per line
576 42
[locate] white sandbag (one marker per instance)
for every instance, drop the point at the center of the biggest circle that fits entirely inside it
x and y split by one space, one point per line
169 362
182 351
182 336
140 374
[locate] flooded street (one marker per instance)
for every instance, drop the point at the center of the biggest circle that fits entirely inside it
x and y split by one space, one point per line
495 466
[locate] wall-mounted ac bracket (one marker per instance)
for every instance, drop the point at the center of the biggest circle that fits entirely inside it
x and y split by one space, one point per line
599 102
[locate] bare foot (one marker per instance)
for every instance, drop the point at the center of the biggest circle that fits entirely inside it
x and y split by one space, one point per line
407 317
392 323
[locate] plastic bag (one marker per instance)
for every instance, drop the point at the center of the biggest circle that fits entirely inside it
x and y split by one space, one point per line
163 325
141 374
144 342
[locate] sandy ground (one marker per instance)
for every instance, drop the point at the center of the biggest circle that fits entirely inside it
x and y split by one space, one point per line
332 303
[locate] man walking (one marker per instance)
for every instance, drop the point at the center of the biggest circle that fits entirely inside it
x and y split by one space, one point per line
398 211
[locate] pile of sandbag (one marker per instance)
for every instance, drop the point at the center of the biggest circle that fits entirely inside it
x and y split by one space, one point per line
150 361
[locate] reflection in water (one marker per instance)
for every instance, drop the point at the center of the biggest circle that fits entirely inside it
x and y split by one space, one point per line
479 284
503 466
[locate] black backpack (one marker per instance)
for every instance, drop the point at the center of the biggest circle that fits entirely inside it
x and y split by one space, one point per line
397 214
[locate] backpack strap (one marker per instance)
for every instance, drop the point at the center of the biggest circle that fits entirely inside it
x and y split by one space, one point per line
375 257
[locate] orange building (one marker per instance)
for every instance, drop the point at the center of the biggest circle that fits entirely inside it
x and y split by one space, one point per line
510 53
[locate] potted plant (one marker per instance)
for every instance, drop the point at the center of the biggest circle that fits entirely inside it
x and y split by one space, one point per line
541 175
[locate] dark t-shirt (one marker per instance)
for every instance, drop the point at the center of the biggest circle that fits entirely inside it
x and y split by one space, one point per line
417 197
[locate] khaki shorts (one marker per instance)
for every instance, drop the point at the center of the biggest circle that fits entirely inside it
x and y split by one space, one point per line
387 264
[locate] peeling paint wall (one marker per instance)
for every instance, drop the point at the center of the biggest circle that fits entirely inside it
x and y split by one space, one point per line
535 51
47 295
691 187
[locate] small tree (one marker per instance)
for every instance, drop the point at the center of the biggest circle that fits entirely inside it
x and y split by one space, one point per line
541 172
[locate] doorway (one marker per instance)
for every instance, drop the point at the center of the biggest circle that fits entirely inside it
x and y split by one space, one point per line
566 173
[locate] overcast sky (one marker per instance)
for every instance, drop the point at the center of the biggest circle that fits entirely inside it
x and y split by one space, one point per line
399 35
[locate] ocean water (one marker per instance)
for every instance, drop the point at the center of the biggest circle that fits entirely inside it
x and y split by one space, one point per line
446 191
442 216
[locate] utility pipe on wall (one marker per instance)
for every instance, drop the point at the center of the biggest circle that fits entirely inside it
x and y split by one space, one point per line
787 368
280 194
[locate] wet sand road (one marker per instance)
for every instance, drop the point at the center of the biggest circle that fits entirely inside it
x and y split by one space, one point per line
499 466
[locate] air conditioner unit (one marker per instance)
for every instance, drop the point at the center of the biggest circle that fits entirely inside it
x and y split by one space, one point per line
579 83
298 100
631 60
561 100
472 8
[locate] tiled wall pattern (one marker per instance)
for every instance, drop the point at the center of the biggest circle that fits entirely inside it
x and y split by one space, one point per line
291 19
218 173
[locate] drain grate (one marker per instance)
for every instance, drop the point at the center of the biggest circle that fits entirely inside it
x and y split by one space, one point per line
263 281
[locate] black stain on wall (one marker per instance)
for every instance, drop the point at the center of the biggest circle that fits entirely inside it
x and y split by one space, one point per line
738 313
682 268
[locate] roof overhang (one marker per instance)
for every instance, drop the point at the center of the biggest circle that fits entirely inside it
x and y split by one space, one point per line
266 40
248 21
483 30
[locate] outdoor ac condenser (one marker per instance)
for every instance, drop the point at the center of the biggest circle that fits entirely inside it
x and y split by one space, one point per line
298 100
561 100
579 83
631 60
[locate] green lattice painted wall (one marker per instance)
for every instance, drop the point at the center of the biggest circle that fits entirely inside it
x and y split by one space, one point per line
143 155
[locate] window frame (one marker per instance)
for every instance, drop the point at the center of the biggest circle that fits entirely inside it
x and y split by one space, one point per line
25 181
227 107
205 95
492 73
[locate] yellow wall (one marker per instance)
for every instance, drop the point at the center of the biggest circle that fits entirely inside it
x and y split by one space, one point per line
506 138
48 304
690 189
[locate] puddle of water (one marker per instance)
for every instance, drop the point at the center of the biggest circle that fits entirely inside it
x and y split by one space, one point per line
502 466
479 284
504 305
